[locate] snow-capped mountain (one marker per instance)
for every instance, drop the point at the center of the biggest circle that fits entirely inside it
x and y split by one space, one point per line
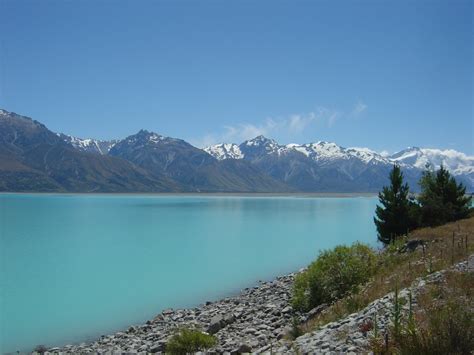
456 162
304 166
259 146
89 145
191 168
319 151
148 161
328 152
318 166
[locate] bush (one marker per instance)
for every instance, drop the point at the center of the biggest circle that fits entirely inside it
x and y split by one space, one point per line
188 341
333 275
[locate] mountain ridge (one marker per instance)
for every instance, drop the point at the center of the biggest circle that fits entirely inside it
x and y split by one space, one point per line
349 164
33 158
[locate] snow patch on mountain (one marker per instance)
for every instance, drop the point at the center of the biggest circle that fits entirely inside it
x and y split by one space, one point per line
270 145
324 151
155 138
89 145
225 151
328 151
367 155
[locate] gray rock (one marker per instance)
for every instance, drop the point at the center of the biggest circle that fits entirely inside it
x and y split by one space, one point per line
315 311
217 323
168 311
244 348
159 346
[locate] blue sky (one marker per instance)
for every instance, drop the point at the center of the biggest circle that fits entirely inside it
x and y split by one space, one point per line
381 74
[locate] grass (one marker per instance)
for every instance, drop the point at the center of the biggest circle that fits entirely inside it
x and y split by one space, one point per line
442 321
446 245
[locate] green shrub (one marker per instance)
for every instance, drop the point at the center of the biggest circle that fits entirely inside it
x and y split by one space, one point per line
187 341
334 274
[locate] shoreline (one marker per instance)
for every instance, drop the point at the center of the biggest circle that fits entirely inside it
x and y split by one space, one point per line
258 320
203 194
254 317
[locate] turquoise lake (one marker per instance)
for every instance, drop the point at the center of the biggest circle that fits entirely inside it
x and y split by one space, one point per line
74 267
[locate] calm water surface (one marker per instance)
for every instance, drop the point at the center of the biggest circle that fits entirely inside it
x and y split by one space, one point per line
73 267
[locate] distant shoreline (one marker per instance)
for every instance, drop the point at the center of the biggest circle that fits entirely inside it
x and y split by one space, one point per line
204 194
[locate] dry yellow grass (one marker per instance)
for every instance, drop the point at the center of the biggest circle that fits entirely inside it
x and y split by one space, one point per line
446 245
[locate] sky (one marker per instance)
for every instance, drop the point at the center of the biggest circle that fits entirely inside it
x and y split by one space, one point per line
379 74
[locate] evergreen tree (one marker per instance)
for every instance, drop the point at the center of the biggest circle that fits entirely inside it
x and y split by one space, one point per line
442 199
394 215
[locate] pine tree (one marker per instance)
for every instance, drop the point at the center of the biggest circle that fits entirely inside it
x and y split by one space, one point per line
442 199
393 216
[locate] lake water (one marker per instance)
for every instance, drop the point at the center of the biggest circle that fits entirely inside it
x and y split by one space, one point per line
74 267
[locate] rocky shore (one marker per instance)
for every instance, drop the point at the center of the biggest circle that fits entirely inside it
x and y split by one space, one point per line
258 321
255 318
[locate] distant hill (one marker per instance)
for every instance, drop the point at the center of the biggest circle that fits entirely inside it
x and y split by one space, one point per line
32 158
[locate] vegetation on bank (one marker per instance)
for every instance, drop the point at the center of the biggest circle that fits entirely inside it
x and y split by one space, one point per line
333 275
441 200
442 323
397 212
189 341
348 279
445 246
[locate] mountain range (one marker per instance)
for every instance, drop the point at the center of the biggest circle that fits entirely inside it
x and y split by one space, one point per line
33 158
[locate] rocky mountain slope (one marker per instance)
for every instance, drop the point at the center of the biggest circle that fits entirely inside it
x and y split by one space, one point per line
32 158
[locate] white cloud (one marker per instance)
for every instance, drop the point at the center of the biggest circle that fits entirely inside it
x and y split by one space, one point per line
297 123
358 109
332 119
289 126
